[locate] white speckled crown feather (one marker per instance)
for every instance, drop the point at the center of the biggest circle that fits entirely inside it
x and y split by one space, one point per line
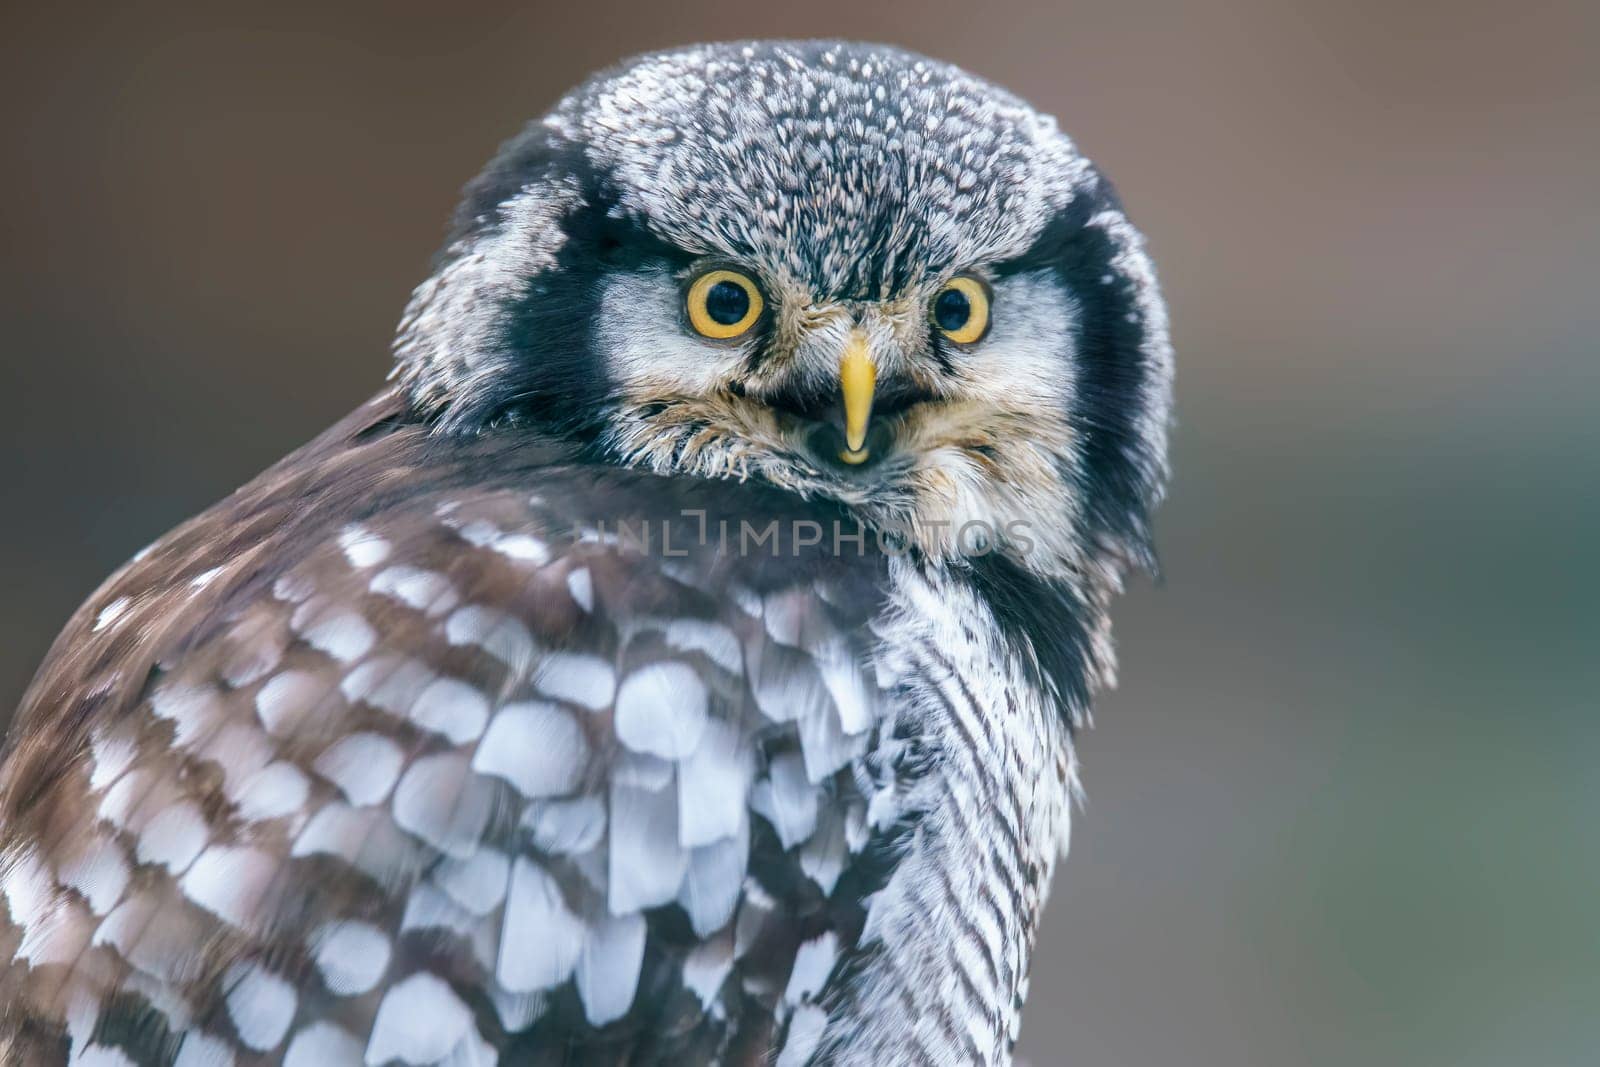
852 169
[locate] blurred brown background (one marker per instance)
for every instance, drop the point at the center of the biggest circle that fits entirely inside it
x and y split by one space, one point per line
1345 807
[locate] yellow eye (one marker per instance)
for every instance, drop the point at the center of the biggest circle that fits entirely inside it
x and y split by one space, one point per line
723 304
961 309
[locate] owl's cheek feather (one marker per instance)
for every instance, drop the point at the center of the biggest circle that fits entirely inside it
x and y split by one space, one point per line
935 471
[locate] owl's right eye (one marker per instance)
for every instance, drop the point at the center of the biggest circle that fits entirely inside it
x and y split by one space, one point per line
723 304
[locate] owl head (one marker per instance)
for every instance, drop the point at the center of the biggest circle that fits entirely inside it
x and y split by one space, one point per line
846 270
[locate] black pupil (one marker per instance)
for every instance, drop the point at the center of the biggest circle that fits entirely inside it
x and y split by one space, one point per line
727 303
951 310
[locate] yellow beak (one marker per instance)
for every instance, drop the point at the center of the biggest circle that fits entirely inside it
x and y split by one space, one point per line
857 379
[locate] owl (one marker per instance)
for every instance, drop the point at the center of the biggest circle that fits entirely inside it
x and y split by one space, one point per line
677 661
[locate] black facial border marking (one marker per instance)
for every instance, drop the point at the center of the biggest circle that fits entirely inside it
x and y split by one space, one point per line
1047 617
1119 475
556 376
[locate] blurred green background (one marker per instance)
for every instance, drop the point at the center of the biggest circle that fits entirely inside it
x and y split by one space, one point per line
1345 806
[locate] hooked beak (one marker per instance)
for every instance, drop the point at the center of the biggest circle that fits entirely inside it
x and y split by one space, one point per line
858 377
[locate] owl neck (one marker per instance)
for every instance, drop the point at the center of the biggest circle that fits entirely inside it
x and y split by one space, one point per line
993 812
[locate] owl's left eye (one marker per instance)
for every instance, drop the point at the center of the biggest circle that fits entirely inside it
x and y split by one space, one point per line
723 304
961 309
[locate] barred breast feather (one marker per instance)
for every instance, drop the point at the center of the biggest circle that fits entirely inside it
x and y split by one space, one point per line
415 755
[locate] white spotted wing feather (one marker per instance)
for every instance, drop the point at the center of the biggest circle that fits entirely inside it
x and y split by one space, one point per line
449 758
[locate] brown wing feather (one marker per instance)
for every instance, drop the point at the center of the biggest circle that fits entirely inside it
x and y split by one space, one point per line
399 747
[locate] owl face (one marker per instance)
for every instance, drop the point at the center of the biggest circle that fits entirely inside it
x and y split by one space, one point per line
846 270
